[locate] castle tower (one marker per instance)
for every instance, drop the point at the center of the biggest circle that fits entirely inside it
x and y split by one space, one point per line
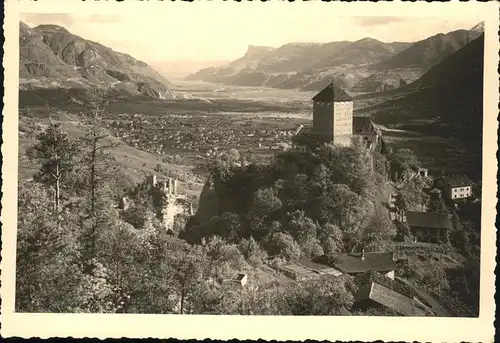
151 180
174 186
332 115
170 185
164 187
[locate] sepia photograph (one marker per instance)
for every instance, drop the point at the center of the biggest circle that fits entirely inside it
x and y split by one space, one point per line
256 164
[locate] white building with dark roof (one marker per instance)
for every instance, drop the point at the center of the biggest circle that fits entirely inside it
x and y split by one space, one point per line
457 187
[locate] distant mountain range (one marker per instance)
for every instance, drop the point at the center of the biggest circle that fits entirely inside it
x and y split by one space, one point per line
449 94
367 65
52 57
429 52
180 69
446 101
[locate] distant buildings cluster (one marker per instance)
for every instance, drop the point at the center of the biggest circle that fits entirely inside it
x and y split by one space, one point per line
199 137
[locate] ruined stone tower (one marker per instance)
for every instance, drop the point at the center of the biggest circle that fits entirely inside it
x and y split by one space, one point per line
151 180
332 115
169 206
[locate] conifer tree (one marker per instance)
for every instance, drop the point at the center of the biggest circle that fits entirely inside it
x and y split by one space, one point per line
56 152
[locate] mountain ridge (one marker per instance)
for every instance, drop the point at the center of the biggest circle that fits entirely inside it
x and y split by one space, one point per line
447 101
363 66
51 56
430 51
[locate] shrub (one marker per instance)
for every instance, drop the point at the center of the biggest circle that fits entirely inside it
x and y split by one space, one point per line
282 244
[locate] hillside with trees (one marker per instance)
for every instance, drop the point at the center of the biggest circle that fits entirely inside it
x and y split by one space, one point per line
305 203
328 200
78 251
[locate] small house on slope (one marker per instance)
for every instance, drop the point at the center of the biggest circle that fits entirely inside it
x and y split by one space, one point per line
304 270
242 279
357 263
374 295
428 227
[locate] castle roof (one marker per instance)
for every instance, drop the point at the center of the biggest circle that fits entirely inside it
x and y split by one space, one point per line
332 93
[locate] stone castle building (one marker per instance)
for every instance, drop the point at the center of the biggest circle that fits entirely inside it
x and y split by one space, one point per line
169 202
334 120
332 115
168 187
166 200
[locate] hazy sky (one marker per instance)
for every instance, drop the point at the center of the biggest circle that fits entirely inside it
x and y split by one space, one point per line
190 34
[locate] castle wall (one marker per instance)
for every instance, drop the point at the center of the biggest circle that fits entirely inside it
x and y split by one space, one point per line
333 120
343 140
174 187
369 140
169 212
323 119
342 113
151 180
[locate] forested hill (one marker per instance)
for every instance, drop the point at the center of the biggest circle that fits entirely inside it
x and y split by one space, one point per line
81 249
301 194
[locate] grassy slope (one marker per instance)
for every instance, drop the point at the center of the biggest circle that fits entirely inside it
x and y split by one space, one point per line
135 163
444 107
450 94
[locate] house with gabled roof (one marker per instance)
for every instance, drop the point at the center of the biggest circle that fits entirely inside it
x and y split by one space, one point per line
427 226
365 129
305 269
378 291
